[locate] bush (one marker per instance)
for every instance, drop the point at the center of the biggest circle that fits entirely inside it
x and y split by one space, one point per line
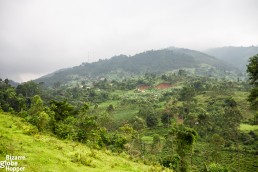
83 159
30 130
213 167
152 121
247 139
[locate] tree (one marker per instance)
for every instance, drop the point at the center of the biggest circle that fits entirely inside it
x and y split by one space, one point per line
36 114
106 120
9 100
62 110
185 140
138 123
180 141
182 72
152 121
36 105
110 108
231 121
186 94
28 89
166 118
253 98
252 70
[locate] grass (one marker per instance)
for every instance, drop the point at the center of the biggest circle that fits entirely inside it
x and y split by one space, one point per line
45 153
247 127
125 114
149 139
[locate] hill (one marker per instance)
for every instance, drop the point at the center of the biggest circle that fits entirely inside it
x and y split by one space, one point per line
236 56
37 154
158 61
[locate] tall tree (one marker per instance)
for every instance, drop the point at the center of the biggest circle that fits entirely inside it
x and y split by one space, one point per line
36 114
28 89
252 70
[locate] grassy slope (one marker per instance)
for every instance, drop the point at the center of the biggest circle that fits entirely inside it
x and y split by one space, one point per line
47 153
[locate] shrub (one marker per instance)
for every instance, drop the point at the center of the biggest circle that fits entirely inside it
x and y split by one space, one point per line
30 130
215 168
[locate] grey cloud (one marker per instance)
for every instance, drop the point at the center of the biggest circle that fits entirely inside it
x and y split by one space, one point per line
38 37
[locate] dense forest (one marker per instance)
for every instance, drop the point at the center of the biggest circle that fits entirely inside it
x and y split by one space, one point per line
153 61
176 120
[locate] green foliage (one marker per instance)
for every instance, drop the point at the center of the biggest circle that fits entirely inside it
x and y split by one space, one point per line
179 144
148 112
152 120
86 127
67 129
216 143
106 120
30 130
252 70
62 110
36 114
171 161
42 121
153 62
231 122
156 143
182 72
211 106
138 123
213 167
253 98
36 105
47 153
117 142
28 89
9 100
247 127
83 159
110 108
186 94
166 118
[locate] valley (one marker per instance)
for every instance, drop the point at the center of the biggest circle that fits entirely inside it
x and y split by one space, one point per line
151 112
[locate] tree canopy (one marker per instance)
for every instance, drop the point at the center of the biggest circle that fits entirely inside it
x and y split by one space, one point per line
252 70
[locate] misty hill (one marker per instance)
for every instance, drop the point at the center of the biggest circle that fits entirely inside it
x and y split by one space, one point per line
236 56
157 61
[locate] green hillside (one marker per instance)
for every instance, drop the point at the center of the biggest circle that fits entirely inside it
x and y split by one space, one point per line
178 120
45 153
158 61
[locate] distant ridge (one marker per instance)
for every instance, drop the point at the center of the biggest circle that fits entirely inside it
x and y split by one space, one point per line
153 61
236 56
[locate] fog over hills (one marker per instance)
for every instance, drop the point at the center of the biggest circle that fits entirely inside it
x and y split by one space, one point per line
39 37
236 56
153 61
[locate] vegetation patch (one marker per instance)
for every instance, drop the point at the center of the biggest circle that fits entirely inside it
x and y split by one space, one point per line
248 127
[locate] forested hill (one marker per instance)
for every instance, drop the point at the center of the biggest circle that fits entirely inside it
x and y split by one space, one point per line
236 56
157 61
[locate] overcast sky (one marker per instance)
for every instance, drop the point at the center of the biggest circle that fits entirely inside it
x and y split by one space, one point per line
41 36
